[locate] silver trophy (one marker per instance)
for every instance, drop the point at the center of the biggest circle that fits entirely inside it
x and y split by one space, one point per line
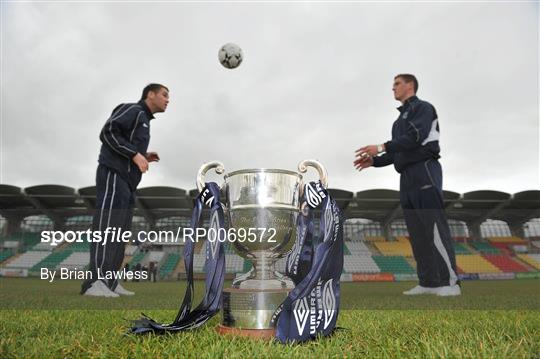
262 206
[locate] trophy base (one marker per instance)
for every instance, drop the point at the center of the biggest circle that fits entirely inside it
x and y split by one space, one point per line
266 334
247 311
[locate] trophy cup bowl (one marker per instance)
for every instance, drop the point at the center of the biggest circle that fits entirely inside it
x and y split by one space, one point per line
262 206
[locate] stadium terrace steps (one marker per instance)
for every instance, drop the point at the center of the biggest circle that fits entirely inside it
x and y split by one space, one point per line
154 256
358 248
137 258
485 247
531 259
27 260
360 264
475 263
460 248
169 265
79 247
393 264
509 240
5 255
77 260
52 260
395 248
374 239
41 246
233 263
505 263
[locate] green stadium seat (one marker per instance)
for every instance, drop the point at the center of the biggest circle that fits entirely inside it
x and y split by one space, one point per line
393 264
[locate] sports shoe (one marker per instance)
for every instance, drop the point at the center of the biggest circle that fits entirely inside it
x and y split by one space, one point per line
449 291
420 290
99 289
122 291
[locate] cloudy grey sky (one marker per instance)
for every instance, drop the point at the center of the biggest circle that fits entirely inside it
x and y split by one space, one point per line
315 83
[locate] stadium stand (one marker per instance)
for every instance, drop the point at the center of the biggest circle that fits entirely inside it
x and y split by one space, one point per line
137 258
360 264
393 264
154 256
42 247
531 259
28 259
460 248
51 261
505 263
374 239
76 260
358 248
5 255
130 250
373 218
484 247
169 265
233 263
395 248
475 263
79 247
510 239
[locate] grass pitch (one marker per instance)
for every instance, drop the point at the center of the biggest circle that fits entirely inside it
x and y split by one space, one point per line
491 319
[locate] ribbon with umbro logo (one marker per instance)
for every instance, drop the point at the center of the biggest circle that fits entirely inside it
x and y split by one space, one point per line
312 307
187 319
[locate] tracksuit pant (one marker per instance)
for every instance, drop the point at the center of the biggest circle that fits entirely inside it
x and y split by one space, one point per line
114 209
421 198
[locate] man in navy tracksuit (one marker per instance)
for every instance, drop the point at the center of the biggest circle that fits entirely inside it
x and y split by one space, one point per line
414 151
122 161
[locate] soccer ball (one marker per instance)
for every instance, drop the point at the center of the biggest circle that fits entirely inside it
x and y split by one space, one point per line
230 55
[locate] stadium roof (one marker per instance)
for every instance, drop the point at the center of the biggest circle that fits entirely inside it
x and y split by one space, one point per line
382 205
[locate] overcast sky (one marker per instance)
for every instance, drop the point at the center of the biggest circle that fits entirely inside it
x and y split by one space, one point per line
315 83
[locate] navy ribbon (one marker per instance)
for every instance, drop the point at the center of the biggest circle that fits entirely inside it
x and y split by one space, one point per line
187 319
312 307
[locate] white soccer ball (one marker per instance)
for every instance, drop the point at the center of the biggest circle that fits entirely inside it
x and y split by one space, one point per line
230 55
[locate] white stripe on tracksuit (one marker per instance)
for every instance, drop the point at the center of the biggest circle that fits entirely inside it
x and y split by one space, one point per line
444 254
105 133
99 268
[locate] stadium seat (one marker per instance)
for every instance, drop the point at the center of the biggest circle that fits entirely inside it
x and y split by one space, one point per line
358 248
5 254
393 264
374 239
52 260
77 260
475 263
510 239
395 248
460 248
531 259
28 259
169 265
137 258
360 264
485 247
505 263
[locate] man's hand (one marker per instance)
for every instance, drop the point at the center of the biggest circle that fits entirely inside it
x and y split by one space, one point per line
362 162
141 162
152 157
370 150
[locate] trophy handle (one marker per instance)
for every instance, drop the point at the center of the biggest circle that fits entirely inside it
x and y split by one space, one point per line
205 168
323 176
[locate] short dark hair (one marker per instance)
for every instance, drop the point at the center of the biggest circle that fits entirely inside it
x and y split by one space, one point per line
408 78
152 87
